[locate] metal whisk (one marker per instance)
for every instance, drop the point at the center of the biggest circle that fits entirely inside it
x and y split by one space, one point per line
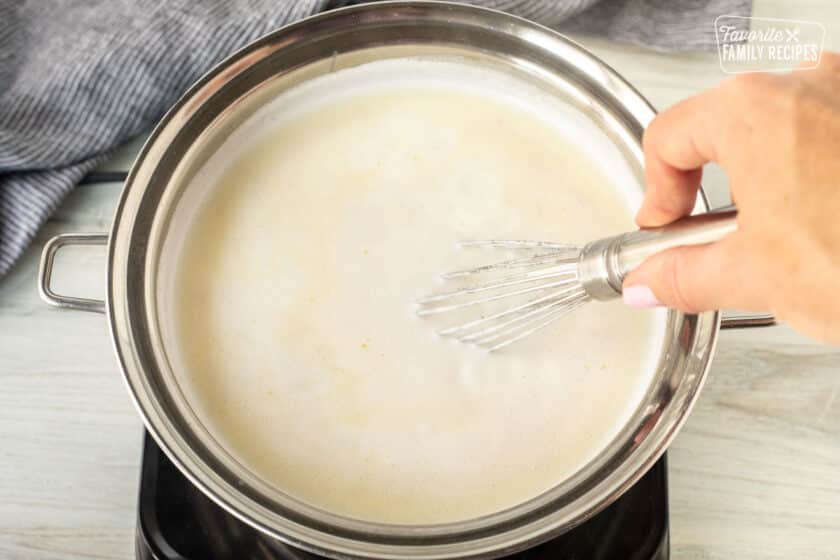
502 302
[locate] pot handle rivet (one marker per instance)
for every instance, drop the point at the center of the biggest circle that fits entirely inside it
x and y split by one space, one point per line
45 271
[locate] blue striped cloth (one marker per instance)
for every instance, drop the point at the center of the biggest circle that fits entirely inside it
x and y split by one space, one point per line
80 77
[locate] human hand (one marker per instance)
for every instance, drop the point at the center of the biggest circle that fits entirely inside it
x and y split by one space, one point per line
777 137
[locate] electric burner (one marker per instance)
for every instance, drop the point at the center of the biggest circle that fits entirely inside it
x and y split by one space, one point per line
177 522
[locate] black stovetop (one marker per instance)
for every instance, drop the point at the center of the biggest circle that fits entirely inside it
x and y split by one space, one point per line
177 522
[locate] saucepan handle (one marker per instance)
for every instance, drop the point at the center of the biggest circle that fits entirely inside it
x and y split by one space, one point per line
45 272
733 321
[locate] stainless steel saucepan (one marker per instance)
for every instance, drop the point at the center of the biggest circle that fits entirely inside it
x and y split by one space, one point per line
195 127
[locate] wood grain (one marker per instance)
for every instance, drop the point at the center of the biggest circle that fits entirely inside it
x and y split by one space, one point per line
755 473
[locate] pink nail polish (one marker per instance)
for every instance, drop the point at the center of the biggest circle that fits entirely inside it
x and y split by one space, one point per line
640 297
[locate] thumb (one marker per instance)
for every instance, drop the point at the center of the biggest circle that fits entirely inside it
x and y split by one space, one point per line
694 279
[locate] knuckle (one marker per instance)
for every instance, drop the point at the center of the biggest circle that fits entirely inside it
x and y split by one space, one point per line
747 84
799 109
768 100
651 133
747 98
756 89
830 62
790 101
827 73
673 275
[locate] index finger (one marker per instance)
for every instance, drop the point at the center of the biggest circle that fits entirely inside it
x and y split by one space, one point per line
677 143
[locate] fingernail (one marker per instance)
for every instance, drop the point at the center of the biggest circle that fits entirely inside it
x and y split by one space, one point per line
639 296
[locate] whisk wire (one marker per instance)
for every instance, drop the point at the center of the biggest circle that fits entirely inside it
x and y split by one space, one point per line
535 290
457 330
519 321
524 262
549 320
430 305
515 244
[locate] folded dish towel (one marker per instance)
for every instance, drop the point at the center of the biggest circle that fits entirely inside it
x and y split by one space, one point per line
80 77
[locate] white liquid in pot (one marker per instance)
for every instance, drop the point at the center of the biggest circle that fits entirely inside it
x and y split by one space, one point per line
337 207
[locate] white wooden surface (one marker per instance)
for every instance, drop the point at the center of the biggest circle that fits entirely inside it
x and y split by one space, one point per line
755 473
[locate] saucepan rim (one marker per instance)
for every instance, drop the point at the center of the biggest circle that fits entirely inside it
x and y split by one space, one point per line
687 350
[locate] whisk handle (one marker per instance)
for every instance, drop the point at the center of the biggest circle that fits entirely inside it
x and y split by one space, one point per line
605 263
699 229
